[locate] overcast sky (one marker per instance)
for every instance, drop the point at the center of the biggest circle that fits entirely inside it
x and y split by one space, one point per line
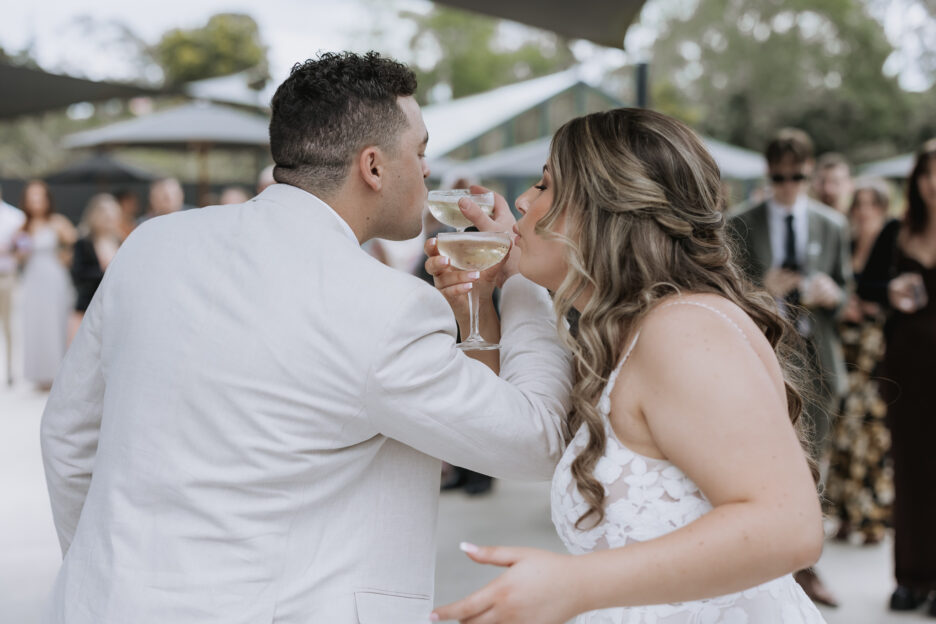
293 29
297 29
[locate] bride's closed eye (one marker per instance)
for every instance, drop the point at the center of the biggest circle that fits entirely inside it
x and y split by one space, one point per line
541 186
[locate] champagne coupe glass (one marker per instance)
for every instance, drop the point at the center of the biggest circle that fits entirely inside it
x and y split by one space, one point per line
474 251
444 206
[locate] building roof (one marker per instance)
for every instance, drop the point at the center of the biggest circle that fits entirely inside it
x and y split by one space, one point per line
896 167
231 89
452 124
197 123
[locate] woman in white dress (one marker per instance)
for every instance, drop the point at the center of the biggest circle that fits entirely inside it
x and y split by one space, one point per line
685 495
46 288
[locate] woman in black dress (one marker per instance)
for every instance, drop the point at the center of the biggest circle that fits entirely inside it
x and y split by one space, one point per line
93 252
901 273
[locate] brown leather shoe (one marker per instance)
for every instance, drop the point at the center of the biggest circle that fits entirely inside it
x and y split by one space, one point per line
814 587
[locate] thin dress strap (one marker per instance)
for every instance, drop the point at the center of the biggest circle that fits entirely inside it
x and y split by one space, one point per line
604 403
711 309
617 369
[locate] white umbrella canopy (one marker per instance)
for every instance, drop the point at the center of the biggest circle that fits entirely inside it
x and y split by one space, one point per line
194 124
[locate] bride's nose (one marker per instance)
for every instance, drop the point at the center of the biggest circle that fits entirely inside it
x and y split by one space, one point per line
521 204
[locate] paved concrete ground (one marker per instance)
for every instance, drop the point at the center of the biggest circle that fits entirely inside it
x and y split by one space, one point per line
515 513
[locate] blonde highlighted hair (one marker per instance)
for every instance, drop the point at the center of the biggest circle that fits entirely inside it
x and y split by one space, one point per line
640 197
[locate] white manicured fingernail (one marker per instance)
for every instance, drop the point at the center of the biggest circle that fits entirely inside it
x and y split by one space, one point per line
445 261
474 275
468 547
467 287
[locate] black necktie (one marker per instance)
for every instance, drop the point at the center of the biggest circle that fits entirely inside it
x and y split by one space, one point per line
789 247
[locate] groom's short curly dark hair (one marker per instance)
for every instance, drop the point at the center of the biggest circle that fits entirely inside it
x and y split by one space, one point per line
329 109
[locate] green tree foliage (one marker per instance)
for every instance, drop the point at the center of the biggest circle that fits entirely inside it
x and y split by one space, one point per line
228 43
470 57
744 69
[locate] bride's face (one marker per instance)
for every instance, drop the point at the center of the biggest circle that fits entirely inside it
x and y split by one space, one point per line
542 260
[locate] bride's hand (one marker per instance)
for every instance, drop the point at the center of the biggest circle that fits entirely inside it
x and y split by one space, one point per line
502 220
535 588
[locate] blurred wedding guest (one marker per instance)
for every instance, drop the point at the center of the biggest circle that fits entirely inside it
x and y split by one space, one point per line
44 239
165 197
233 195
129 203
265 179
833 184
101 226
11 220
453 477
860 488
798 250
901 274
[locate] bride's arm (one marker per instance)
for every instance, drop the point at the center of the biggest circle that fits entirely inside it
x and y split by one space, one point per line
717 414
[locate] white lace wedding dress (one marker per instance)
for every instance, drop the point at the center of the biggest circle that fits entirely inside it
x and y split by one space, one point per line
647 498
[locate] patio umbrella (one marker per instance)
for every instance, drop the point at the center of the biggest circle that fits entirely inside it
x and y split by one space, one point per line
197 126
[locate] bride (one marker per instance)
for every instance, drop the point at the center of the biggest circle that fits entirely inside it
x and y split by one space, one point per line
685 494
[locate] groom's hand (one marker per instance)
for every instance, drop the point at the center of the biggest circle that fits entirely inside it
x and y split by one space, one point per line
536 588
456 284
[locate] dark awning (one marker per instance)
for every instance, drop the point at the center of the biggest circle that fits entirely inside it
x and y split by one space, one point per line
601 21
99 168
26 90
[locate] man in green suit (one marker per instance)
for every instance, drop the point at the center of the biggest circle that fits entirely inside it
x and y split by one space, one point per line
798 250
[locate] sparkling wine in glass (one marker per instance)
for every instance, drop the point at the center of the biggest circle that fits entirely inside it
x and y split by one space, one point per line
474 251
444 206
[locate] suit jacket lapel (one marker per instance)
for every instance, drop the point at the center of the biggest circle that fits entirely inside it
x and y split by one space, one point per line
760 234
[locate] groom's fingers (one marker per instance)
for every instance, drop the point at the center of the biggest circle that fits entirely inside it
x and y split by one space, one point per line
431 247
444 275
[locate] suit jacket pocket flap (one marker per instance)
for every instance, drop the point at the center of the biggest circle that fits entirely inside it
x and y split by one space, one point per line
375 607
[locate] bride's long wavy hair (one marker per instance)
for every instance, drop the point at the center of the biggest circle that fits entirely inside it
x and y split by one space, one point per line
641 198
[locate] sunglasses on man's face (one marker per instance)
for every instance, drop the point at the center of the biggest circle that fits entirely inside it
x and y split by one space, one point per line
777 178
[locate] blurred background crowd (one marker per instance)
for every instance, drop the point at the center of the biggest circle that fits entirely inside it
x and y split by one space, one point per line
820 116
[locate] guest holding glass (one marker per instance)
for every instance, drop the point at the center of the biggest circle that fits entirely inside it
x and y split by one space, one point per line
859 488
93 252
901 275
41 245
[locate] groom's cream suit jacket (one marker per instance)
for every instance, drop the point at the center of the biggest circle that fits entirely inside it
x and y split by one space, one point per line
245 429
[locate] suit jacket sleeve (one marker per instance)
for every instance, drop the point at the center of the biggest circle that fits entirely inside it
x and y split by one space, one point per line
71 423
738 232
424 392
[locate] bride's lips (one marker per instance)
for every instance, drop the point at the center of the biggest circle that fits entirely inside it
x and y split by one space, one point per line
516 231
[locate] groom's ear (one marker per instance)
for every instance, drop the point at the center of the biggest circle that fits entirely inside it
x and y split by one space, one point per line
371 167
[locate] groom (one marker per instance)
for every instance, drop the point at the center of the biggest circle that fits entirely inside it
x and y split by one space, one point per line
246 427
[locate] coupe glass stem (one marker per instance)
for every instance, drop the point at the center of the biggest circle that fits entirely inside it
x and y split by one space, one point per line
474 302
